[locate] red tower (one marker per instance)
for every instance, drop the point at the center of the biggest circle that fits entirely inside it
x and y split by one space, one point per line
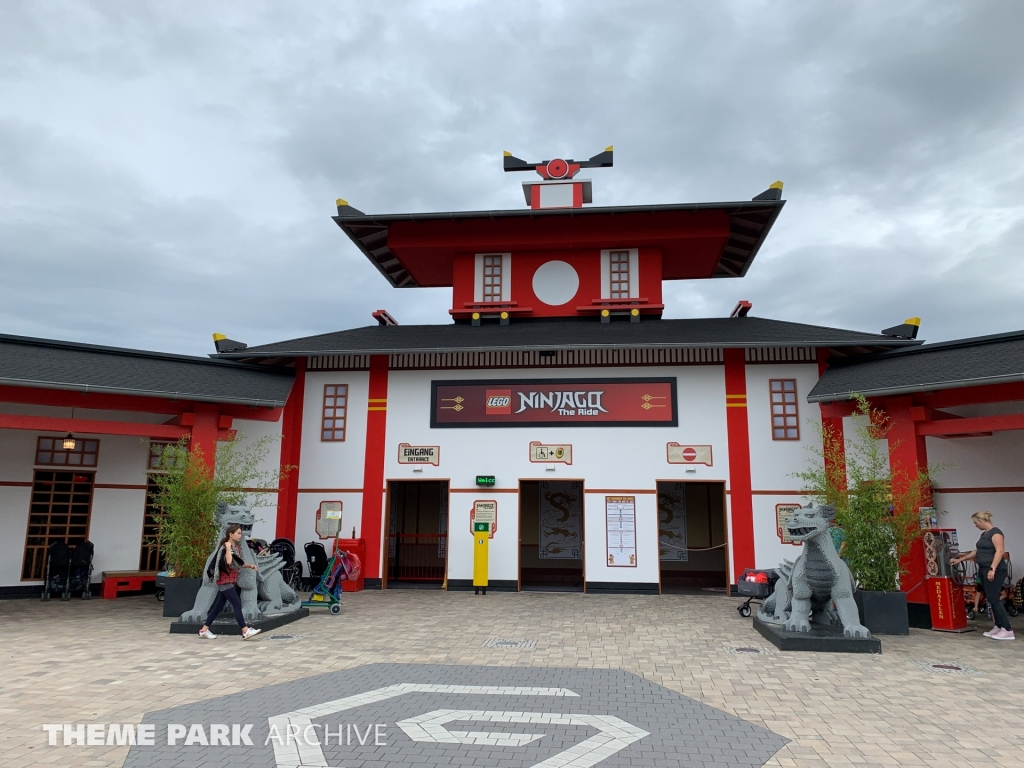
557 258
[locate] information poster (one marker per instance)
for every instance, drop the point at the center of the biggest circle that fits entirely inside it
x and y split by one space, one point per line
672 545
561 521
783 517
620 520
484 512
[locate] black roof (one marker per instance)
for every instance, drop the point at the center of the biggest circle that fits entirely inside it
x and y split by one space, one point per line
48 364
571 333
749 223
966 362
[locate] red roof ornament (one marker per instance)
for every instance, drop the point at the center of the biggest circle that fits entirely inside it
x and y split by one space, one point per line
558 190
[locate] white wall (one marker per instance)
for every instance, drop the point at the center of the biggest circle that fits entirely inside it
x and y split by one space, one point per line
331 471
773 462
610 459
248 432
115 526
614 459
17 449
983 464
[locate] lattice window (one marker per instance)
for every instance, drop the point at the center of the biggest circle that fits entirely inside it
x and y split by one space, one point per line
51 450
619 276
150 556
785 415
332 427
59 511
492 278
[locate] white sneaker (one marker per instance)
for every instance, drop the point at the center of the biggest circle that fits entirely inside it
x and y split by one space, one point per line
207 634
1004 634
251 632
993 631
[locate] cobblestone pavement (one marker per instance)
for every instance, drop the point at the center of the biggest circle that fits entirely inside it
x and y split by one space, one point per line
114 661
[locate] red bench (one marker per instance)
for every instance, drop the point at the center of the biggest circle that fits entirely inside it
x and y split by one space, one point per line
124 581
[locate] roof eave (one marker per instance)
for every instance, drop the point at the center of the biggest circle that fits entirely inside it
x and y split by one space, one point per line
87 388
401 278
254 355
836 397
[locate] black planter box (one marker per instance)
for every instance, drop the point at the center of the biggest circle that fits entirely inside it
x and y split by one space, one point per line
884 613
180 596
822 638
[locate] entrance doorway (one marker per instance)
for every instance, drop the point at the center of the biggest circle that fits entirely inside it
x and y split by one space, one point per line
551 535
692 543
417 528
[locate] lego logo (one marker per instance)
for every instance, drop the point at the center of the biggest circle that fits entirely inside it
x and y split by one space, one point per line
498 402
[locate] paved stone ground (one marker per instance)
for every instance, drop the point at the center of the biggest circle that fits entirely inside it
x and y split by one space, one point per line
114 662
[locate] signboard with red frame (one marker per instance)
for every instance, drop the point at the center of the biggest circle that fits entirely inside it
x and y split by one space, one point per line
632 402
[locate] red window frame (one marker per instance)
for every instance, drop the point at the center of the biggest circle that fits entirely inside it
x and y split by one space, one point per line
618 275
492 278
335 413
50 452
785 412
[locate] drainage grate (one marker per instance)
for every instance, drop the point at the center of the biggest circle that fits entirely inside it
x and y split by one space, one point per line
286 638
946 667
496 643
749 650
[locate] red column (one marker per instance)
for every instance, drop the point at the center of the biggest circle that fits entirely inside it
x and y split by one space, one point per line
291 447
907 452
741 500
373 468
835 460
204 432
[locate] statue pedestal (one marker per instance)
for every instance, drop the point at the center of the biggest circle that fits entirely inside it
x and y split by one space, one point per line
226 624
821 638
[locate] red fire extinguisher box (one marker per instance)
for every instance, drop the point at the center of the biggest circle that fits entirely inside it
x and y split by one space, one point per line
355 547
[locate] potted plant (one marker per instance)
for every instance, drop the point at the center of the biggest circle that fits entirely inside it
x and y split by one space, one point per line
187 492
877 509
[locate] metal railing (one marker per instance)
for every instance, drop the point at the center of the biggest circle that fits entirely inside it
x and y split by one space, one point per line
416 556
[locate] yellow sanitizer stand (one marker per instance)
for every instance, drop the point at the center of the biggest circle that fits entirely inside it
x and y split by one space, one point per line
481 541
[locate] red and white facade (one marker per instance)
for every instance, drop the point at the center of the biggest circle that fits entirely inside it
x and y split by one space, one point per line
555 372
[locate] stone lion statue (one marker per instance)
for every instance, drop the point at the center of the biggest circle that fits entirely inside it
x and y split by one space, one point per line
808 587
263 591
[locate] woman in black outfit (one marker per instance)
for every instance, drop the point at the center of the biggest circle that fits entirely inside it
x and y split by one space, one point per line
988 554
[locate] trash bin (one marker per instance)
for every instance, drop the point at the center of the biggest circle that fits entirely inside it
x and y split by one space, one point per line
355 547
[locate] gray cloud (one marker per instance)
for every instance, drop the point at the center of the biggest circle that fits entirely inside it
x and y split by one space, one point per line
169 170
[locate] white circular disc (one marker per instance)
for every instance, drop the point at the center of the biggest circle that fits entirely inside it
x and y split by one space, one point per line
555 283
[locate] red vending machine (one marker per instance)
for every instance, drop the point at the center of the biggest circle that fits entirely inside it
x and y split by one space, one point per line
931 580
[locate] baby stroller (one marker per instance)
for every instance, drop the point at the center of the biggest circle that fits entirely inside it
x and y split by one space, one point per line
755 585
972 586
292 570
58 557
316 561
328 592
80 571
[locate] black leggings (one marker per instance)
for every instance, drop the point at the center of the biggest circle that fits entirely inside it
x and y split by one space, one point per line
992 590
226 596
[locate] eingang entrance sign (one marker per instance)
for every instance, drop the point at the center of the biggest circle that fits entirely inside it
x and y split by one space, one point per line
632 402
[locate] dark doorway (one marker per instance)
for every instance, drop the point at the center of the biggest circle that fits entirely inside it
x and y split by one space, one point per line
417 534
551 545
692 543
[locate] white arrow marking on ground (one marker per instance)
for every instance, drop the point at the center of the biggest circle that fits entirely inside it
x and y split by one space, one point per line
298 754
615 734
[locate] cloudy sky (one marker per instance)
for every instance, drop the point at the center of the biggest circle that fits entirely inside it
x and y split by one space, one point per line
169 169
